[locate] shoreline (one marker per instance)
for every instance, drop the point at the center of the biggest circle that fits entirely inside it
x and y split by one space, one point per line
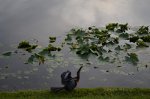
80 93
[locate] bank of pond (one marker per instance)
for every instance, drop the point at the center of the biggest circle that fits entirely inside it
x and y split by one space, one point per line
80 93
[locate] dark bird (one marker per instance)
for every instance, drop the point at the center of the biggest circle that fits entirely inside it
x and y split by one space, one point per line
68 81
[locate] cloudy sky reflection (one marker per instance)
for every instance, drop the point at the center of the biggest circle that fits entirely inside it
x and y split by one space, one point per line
28 16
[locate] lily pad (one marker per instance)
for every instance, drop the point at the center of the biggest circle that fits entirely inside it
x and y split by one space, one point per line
124 35
7 54
132 58
52 39
111 26
140 43
133 38
105 59
26 46
122 28
118 48
31 59
143 30
146 38
127 46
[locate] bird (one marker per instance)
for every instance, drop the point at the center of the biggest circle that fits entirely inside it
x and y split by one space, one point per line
69 83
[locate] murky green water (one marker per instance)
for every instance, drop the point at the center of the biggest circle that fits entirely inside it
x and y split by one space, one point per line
36 19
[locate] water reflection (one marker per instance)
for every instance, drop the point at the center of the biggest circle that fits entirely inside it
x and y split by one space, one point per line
23 17
28 19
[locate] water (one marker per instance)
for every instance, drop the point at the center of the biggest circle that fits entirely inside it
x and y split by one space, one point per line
37 19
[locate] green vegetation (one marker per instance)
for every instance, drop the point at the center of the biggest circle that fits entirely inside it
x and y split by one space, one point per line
143 30
26 46
141 43
115 43
83 93
52 39
132 57
107 42
7 53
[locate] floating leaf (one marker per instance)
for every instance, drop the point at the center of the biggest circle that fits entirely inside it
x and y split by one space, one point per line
111 26
105 59
118 48
124 35
7 54
40 58
122 28
52 39
119 66
134 39
143 30
132 57
33 46
68 37
146 38
83 50
141 43
102 43
127 46
26 46
31 59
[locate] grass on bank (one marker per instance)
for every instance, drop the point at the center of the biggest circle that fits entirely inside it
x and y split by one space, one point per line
83 93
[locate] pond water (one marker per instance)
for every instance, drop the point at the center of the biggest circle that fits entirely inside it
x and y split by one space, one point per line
37 19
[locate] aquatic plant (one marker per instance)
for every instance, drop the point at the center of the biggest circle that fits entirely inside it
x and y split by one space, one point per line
141 43
26 46
107 41
143 30
132 57
146 38
52 39
106 44
7 53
